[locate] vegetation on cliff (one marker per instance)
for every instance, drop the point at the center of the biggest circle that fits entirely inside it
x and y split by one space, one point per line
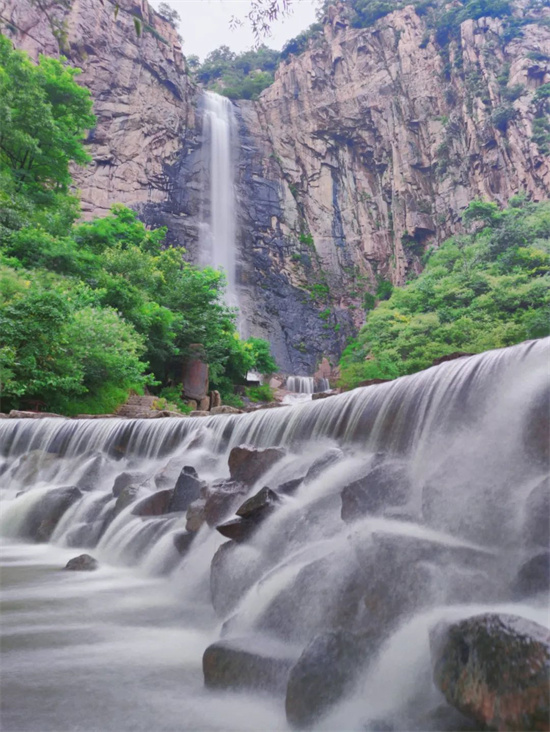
237 76
90 310
484 290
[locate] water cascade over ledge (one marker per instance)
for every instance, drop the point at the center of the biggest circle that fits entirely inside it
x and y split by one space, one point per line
218 228
456 459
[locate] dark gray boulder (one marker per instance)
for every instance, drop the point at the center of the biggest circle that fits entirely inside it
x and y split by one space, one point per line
126 479
82 563
156 504
221 499
248 663
46 514
92 473
290 487
384 486
259 505
329 458
187 489
126 497
247 464
233 571
239 529
533 576
536 528
322 676
494 668
182 541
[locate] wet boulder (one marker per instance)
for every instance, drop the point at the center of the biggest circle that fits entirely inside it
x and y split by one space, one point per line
322 676
384 486
167 477
290 486
92 472
182 541
537 429
247 464
156 504
533 576
494 669
30 465
248 663
327 460
126 497
126 479
536 528
187 489
195 515
82 563
233 571
46 514
259 506
221 499
239 529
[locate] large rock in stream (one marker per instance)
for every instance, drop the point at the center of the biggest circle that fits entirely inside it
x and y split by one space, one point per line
46 514
248 663
495 669
383 486
324 673
247 464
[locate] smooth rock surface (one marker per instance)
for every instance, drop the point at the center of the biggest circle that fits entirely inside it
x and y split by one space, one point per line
247 464
82 563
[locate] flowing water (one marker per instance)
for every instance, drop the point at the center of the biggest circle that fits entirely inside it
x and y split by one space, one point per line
121 648
218 229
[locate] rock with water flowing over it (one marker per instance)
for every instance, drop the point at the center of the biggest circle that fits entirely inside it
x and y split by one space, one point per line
247 464
290 486
494 668
239 529
536 528
182 541
384 486
126 479
195 516
533 576
167 477
222 497
536 435
92 473
29 465
82 563
46 514
259 506
156 504
233 571
322 676
248 663
327 460
126 497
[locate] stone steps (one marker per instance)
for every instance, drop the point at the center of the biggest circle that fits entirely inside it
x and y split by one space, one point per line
136 406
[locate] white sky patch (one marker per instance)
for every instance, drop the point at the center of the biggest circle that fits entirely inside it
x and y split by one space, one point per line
205 24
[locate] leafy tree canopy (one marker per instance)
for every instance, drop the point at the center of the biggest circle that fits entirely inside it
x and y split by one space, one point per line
485 290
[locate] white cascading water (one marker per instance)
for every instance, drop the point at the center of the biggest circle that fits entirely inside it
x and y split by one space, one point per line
218 227
302 388
120 648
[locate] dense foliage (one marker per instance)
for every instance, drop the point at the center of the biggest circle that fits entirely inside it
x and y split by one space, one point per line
479 291
90 310
237 76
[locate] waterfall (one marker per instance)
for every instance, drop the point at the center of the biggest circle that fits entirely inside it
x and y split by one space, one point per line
306 384
469 438
218 228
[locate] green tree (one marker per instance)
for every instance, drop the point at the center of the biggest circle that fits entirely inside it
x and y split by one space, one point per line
43 118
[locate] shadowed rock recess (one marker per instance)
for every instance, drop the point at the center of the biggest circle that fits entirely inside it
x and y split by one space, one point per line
373 561
360 156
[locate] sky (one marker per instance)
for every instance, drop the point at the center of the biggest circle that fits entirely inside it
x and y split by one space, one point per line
205 24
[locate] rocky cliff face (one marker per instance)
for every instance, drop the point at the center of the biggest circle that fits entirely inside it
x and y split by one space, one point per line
143 100
383 140
359 157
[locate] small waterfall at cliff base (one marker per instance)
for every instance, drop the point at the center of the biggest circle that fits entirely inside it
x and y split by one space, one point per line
457 463
218 227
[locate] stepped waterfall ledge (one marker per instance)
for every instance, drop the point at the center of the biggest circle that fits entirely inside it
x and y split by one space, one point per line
368 533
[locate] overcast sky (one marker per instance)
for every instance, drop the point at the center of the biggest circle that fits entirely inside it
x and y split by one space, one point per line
205 24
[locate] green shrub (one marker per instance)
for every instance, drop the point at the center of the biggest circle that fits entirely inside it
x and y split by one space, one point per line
262 393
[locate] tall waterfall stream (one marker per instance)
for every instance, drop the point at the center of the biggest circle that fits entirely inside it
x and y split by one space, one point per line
121 648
